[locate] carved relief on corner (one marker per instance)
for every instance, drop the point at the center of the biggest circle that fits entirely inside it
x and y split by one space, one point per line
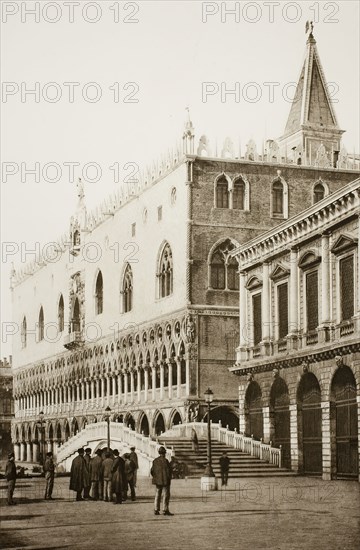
190 329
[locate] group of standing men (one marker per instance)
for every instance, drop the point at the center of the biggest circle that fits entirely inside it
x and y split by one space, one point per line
104 475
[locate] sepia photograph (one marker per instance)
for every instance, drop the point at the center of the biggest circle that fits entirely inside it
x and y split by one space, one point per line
180 275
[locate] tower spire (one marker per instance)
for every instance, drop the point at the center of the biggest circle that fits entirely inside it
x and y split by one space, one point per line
312 118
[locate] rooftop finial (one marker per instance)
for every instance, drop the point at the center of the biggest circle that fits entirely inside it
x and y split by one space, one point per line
309 27
188 135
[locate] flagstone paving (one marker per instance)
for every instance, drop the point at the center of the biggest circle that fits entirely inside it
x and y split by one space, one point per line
274 513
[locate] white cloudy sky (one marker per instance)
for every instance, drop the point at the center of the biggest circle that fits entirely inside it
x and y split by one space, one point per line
169 52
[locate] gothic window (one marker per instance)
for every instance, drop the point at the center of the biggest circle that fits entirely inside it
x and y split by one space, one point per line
347 288
222 193
165 273
41 325
312 301
76 238
239 195
319 192
277 197
24 333
61 314
99 294
223 268
76 316
257 326
283 314
127 289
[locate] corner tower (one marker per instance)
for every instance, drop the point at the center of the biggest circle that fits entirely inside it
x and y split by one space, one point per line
312 131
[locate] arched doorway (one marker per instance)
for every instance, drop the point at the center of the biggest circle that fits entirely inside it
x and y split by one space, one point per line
226 416
309 423
144 425
75 427
176 420
254 422
280 414
343 393
67 431
130 421
159 424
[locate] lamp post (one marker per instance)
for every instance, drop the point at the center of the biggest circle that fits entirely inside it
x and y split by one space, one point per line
208 481
41 425
107 418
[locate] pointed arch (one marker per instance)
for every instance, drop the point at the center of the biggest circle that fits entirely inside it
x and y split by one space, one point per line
241 193
222 187
279 198
99 294
41 325
24 332
320 190
165 271
61 311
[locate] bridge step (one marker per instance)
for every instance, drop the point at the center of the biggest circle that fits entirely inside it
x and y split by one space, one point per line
242 465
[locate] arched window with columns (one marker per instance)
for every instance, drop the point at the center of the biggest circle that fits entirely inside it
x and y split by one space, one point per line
127 289
223 268
165 272
240 198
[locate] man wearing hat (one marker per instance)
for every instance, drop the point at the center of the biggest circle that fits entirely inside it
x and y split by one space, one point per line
77 474
49 469
134 459
10 474
87 480
161 474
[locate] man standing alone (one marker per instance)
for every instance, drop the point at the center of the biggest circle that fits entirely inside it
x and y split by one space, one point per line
161 474
10 474
224 467
87 480
49 469
134 459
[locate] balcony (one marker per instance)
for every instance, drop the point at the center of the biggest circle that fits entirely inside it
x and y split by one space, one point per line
346 328
311 338
73 340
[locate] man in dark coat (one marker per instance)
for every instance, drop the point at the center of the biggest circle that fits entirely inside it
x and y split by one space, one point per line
118 477
134 459
10 474
224 468
77 474
95 475
49 470
106 471
129 477
161 474
87 480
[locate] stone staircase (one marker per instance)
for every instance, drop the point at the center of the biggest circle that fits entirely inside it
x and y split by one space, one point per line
242 464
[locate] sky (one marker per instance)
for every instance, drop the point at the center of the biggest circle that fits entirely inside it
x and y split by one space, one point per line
112 81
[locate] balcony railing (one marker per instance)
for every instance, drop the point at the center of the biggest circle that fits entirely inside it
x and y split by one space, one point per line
347 328
73 340
312 338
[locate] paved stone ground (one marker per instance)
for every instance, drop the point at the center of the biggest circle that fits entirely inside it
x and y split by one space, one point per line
272 513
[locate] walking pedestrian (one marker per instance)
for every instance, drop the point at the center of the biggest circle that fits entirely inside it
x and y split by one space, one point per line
194 441
95 475
87 480
224 468
135 460
161 474
49 469
10 474
129 477
77 474
118 477
107 476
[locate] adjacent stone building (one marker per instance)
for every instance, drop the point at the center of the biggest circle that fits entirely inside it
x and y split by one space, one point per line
298 359
136 307
6 407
